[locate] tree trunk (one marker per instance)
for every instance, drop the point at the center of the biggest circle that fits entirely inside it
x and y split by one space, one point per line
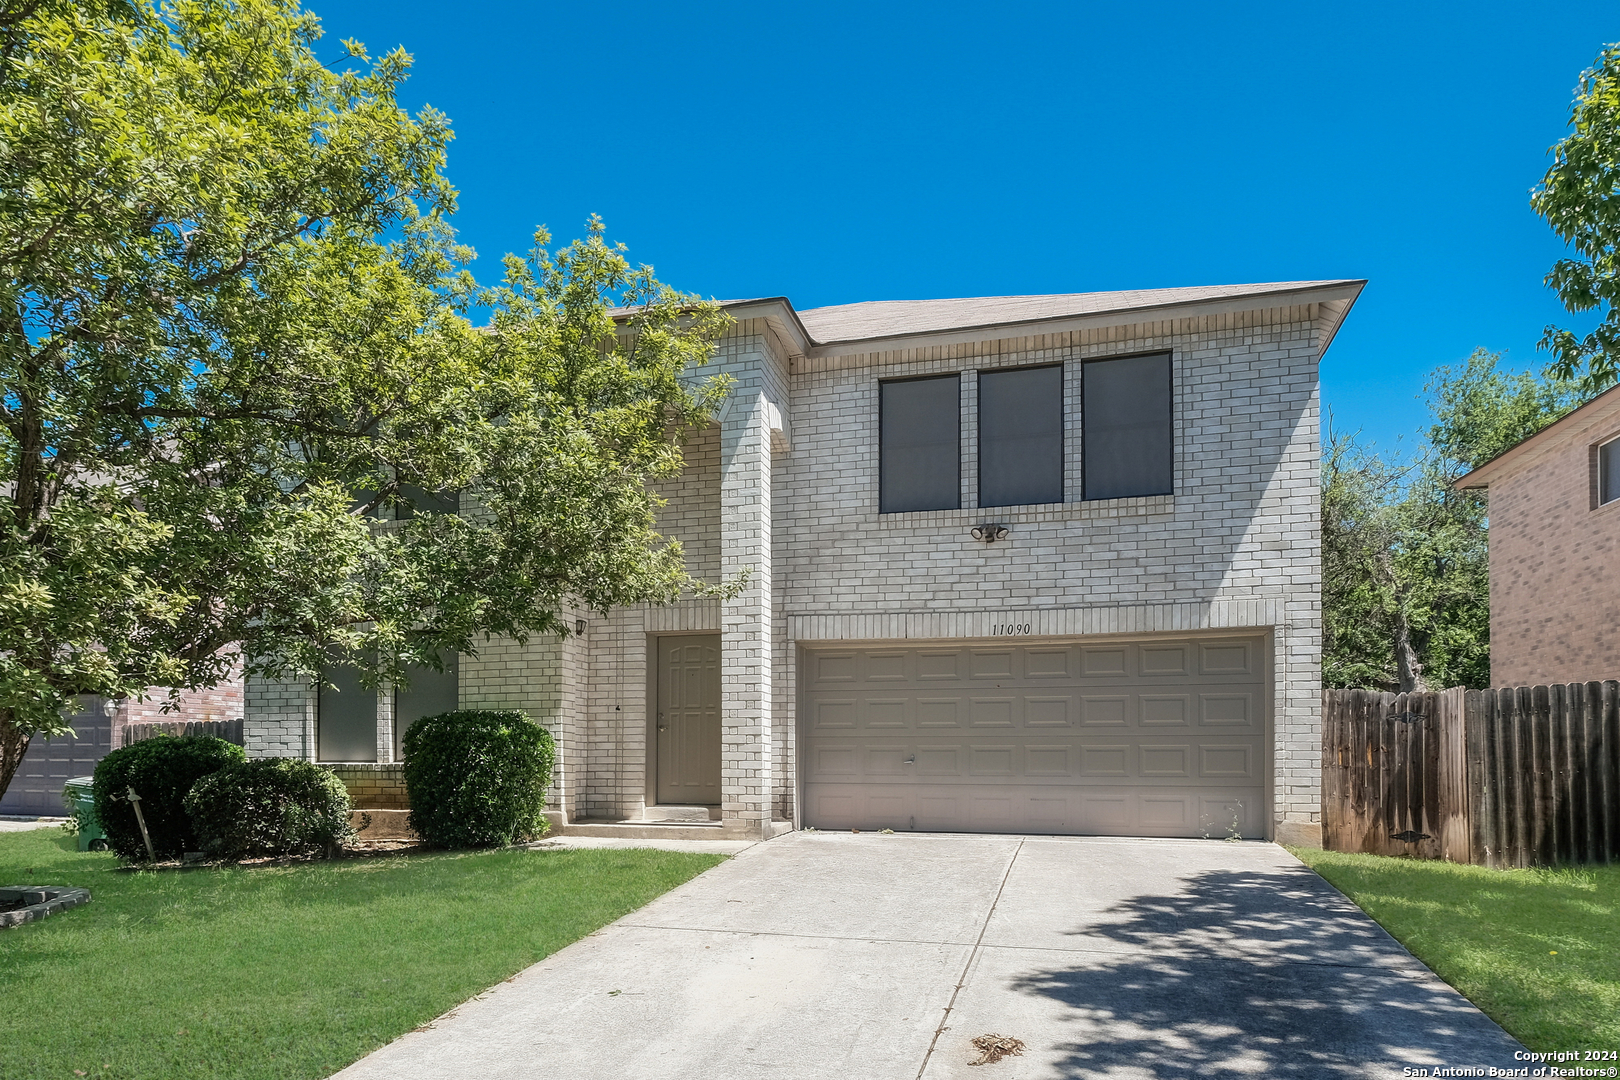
1408 668
13 745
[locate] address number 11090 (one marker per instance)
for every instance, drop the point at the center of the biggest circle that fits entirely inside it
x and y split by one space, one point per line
1009 628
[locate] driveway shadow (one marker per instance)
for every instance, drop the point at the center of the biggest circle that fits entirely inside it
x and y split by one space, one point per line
1236 973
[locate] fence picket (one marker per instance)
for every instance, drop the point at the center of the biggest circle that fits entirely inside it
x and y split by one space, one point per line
1515 776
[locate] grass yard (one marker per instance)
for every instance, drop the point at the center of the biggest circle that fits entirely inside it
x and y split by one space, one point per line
1537 950
287 972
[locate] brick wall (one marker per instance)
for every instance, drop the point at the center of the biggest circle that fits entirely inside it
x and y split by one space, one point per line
374 787
1555 561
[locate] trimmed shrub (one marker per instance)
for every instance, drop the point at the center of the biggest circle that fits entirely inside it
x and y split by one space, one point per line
477 778
162 770
269 806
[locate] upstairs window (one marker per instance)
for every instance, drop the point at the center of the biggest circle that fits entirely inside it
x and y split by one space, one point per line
1125 429
1021 436
414 499
919 456
1609 472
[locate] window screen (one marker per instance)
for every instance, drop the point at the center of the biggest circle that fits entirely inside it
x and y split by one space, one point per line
1021 436
1609 472
413 498
346 717
1125 427
919 438
429 694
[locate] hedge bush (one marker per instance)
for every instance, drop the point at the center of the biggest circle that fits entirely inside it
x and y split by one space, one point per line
269 806
162 770
477 778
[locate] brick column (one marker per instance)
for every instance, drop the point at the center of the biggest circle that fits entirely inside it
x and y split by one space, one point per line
385 724
745 621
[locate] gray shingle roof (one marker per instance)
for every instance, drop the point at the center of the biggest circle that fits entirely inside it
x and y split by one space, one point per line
892 318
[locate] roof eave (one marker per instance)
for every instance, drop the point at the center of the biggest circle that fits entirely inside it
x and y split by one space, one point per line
1340 290
1484 475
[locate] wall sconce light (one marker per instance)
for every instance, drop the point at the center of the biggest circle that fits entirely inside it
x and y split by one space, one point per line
109 707
579 627
990 532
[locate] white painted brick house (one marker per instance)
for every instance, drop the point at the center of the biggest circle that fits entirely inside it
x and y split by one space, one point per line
1139 653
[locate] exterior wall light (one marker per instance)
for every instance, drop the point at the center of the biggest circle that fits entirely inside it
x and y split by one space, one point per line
990 532
579 627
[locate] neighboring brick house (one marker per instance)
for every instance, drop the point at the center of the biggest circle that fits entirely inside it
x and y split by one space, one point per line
1555 550
98 729
1041 564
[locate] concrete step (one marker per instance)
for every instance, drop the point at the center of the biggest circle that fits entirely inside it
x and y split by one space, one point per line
695 815
643 830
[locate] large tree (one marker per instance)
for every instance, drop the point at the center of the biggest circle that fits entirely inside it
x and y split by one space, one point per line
1405 573
1580 199
237 373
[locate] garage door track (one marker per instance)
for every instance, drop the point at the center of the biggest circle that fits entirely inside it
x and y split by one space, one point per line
839 955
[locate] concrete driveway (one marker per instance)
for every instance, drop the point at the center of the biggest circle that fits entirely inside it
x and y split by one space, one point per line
837 955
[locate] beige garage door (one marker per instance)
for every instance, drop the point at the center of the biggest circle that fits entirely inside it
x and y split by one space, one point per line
1143 738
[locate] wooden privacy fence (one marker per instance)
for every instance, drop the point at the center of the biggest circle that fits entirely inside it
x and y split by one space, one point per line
229 730
1521 776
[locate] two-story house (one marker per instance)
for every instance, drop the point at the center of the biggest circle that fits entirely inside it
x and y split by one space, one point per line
1042 564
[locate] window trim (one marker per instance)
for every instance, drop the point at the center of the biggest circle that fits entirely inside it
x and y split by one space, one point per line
978 432
1170 358
1598 502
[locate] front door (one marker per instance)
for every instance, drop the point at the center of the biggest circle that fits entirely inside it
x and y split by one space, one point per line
688 729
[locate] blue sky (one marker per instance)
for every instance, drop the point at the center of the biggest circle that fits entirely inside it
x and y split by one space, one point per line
842 152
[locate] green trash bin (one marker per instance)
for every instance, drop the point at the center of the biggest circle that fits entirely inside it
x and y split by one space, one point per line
80 797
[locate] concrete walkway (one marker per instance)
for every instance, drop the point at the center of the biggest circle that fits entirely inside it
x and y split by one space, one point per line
29 824
836 955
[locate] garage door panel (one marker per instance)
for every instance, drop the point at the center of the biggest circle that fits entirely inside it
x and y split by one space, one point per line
887 667
1140 738
1048 760
1228 710
1227 658
1160 760
832 669
880 713
1049 814
887 761
1158 661
1105 813
939 712
993 813
991 712
1163 812
1049 711
829 762
991 664
1105 760
935 666
992 760
1048 662
1164 710
936 761
1221 817
1099 662
833 714
1221 761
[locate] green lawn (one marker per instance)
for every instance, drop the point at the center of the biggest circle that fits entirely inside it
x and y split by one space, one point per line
1537 950
286 972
